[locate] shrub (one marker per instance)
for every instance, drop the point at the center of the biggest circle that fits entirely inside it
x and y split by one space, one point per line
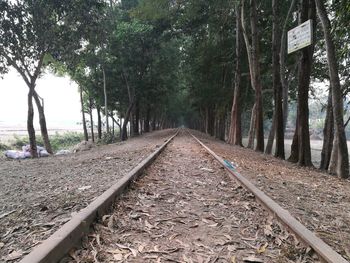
3 147
108 138
58 141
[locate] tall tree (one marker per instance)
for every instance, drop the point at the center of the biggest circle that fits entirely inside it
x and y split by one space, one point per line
253 52
301 150
235 132
32 30
342 162
277 86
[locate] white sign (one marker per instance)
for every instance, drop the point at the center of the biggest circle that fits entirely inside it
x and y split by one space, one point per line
300 36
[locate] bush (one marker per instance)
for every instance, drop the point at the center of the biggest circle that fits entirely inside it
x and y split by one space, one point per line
3 147
108 138
58 141
66 140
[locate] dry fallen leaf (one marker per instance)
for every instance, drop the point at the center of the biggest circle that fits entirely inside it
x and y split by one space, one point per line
233 259
253 259
148 225
141 248
231 248
262 248
14 255
118 257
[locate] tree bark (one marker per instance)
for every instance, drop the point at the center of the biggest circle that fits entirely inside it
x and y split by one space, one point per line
154 122
124 135
105 96
294 151
342 167
277 86
308 11
147 120
284 79
271 137
99 122
254 67
332 167
328 135
42 121
30 126
235 131
91 120
136 125
86 136
251 133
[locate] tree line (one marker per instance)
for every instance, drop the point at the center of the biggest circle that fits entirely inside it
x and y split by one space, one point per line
217 66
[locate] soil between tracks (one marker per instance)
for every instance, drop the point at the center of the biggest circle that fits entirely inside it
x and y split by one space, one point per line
186 209
319 201
38 196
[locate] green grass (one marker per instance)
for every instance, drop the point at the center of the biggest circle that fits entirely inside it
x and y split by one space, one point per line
3 147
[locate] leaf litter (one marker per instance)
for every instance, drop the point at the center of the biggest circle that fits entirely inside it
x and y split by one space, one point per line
319 201
167 216
39 196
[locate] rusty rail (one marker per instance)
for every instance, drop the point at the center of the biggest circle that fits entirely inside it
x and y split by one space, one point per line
324 251
69 235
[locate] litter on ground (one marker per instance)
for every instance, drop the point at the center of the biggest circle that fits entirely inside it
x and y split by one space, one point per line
25 153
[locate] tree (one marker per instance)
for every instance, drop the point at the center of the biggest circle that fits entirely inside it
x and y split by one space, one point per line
32 30
301 150
277 86
342 160
235 133
254 68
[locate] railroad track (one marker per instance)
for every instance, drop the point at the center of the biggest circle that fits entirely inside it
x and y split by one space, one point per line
214 192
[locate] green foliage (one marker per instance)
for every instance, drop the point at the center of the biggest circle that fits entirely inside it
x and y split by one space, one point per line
108 138
58 141
4 147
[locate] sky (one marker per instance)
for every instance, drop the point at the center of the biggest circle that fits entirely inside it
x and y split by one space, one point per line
60 94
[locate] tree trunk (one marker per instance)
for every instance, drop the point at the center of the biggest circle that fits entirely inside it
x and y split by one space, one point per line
222 126
91 120
154 122
304 73
284 79
42 121
99 122
254 68
272 132
124 135
251 133
277 86
30 125
147 120
332 167
86 136
258 87
105 96
235 131
328 135
342 169
136 126
294 151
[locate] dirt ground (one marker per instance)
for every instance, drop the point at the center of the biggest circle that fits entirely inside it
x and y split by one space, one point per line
186 209
320 201
38 196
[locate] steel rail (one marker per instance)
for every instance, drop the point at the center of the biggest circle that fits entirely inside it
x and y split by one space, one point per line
69 235
324 251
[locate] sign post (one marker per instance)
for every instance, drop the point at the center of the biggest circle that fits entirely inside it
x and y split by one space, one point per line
300 36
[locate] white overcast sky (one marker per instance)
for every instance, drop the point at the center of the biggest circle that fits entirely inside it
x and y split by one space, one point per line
62 106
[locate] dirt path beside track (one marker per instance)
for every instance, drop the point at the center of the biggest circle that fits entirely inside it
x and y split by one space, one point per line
38 196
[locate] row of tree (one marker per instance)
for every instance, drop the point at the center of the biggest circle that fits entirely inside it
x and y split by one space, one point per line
217 66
